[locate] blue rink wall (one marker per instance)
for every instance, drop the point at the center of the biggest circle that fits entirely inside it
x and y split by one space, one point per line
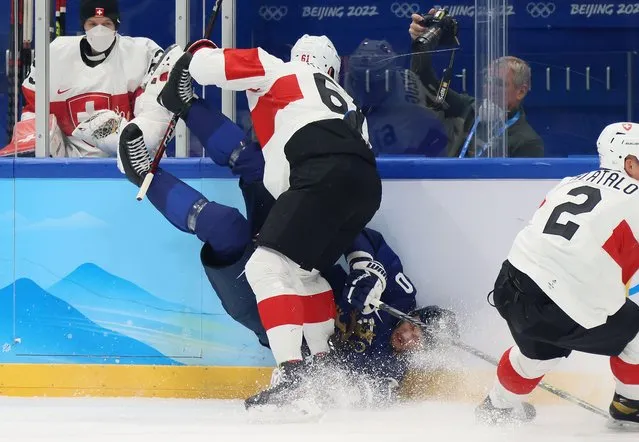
91 277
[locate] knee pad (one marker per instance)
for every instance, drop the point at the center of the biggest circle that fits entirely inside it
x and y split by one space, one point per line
224 228
312 281
270 274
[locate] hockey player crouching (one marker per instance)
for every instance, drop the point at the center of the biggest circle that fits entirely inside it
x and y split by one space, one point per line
564 284
372 344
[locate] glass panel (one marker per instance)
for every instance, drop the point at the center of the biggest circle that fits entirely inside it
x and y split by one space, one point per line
94 284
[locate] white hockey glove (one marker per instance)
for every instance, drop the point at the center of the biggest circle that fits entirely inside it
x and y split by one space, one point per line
365 285
102 130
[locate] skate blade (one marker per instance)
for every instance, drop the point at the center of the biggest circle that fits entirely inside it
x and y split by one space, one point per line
620 425
297 412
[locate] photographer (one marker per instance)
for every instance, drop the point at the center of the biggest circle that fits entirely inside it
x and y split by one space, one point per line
459 111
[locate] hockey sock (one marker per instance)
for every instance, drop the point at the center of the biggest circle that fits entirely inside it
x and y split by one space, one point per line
319 311
224 228
517 377
273 280
217 133
626 377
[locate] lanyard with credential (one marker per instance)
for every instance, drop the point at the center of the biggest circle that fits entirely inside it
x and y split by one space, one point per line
471 134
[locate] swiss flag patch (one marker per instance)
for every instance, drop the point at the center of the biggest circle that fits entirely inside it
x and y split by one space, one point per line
627 126
99 12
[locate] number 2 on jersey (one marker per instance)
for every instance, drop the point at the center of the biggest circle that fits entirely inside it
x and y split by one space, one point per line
568 230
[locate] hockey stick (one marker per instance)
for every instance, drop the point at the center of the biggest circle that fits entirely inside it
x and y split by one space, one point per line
488 358
148 178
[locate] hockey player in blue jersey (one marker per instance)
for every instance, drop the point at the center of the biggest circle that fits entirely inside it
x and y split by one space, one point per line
367 342
394 103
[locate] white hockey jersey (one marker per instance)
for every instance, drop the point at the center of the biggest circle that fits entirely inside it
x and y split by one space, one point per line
77 90
580 246
282 97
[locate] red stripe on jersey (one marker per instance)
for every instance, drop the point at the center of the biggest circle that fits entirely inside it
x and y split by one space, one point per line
132 97
281 310
242 63
623 248
283 92
79 107
511 380
319 307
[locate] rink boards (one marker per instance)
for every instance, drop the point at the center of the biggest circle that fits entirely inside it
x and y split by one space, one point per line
99 295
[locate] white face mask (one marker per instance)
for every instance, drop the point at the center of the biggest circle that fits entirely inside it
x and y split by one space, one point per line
100 38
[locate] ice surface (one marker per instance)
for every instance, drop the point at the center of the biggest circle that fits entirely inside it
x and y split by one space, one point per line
154 420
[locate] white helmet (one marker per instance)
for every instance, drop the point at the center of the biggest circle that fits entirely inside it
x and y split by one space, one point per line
317 51
615 143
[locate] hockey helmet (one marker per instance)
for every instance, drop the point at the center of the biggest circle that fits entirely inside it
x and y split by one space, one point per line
370 76
317 51
615 143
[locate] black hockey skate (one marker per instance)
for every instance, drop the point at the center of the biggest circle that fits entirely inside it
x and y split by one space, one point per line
283 391
177 95
487 413
133 156
624 413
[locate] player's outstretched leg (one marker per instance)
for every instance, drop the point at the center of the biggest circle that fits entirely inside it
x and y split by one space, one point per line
624 409
224 228
517 377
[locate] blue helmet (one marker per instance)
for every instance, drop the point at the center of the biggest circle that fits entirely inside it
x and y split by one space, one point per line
370 73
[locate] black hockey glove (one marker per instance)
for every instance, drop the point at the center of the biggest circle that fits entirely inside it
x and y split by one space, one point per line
365 284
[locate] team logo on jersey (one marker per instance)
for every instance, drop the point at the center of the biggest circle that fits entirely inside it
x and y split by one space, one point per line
99 12
627 126
83 106
358 333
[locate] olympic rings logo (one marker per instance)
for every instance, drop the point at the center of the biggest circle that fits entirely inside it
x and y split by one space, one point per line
543 10
275 13
404 10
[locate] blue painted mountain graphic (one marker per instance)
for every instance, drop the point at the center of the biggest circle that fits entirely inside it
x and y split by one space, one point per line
48 326
90 284
120 305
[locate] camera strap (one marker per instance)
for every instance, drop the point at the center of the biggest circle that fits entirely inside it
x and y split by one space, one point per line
499 133
444 84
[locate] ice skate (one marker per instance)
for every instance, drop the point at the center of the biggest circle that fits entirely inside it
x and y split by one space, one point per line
284 383
624 413
133 157
487 413
286 399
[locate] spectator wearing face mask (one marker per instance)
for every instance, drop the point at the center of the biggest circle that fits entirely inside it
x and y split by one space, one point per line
97 84
509 77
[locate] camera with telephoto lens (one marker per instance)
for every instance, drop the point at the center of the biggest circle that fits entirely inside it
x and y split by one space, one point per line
441 29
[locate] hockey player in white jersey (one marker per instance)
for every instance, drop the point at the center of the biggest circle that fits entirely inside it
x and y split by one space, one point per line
323 174
564 284
97 84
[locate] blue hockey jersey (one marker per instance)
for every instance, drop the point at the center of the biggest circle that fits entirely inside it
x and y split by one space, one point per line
363 341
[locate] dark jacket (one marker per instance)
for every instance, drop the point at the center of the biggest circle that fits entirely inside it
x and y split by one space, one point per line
459 114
